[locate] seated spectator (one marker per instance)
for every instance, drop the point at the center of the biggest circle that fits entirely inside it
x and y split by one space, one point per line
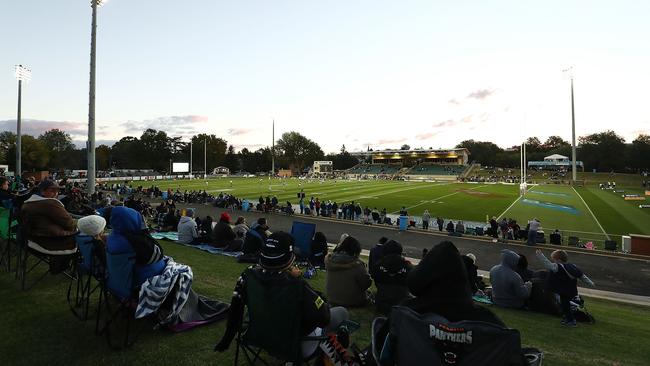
318 250
475 281
555 238
440 286
255 238
206 226
224 237
49 227
241 227
347 278
187 229
522 268
5 194
170 223
508 288
460 227
276 269
375 252
450 227
130 234
390 274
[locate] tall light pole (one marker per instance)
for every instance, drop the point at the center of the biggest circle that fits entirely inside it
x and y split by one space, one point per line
91 99
273 150
573 129
22 74
190 158
205 158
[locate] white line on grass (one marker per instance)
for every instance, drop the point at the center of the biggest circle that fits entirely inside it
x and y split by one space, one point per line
437 198
592 214
509 207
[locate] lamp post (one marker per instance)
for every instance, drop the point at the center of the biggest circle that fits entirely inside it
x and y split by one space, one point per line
91 99
22 74
569 71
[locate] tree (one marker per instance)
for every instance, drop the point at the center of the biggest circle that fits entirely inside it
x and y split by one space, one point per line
34 153
405 147
484 152
554 142
298 150
533 144
604 151
639 153
157 149
8 148
56 140
231 160
216 151
103 157
127 153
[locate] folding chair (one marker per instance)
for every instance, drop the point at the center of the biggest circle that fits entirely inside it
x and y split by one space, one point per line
27 248
303 233
273 322
89 265
431 339
118 285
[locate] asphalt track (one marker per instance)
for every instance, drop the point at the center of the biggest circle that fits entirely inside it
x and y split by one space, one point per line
611 272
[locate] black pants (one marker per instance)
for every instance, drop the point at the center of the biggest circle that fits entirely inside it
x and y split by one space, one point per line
425 225
565 305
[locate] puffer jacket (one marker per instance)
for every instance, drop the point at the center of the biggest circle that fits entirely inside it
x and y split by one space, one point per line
125 221
508 289
347 280
390 275
50 225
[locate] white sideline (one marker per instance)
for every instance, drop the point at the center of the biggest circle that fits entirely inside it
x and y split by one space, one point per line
592 214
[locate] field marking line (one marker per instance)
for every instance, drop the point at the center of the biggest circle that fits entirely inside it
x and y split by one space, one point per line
509 207
347 198
592 214
437 198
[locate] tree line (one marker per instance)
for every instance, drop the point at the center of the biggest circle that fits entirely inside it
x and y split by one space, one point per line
154 149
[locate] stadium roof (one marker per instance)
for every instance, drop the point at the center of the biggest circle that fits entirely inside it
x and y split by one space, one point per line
556 157
412 152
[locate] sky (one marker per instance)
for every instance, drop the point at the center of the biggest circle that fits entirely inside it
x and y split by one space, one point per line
361 73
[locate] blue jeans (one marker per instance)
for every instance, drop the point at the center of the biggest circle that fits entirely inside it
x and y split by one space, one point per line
532 237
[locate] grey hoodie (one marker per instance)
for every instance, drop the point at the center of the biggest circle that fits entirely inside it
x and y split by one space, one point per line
508 289
187 230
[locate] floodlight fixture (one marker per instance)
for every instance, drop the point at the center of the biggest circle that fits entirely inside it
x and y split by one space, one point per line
22 73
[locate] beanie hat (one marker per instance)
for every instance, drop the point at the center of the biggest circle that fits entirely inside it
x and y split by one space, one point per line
343 236
392 247
189 212
442 270
472 257
92 225
224 217
277 251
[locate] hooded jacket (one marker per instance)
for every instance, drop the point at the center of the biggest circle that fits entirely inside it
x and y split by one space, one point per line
50 225
223 234
390 275
187 230
125 221
508 289
347 280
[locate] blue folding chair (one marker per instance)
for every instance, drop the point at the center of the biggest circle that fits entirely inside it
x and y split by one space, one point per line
90 264
118 285
8 228
303 233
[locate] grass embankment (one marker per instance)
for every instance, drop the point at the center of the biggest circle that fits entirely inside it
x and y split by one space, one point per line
38 328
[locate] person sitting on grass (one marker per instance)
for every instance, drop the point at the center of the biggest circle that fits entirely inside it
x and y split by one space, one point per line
390 273
276 269
475 281
563 281
318 250
508 288
347 278
376 252
187 232
224 237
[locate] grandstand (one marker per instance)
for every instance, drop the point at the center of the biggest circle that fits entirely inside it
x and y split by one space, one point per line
413 164
375 169
436 169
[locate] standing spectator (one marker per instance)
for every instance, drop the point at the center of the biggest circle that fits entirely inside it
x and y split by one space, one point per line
503 226
494 227
403 211
440 223
533 227
426 217
563 281
460 227
508 288
450 227
347 279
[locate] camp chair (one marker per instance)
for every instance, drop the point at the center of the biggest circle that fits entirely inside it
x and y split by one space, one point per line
88 266
8 227
303 233
273 322
27 248
433 340
118 285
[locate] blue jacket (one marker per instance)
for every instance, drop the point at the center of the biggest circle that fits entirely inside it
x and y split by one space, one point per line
127 220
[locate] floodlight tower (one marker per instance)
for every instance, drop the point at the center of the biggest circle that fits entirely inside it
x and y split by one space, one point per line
22 74
91 98
569 71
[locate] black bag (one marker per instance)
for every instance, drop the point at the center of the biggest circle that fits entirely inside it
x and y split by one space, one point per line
147 250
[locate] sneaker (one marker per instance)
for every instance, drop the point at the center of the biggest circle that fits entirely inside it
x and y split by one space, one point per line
571 324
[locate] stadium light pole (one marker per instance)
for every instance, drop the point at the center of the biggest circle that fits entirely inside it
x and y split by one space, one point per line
91 99
22 73
569 71
273 149
205 158
190 157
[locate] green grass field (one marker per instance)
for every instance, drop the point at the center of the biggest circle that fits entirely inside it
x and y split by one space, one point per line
587 212
38 328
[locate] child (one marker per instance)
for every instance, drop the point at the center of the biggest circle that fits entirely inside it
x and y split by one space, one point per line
563 281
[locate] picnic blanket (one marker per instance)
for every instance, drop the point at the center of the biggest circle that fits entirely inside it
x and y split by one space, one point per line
176 280
173 236
482 299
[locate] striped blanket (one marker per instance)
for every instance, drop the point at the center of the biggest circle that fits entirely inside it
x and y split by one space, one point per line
176 281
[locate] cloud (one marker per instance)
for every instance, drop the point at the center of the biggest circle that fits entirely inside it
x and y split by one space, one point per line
36 127
80 144
390 141
426 136
480 94
172 125
238 131
249 146
454 122
454 101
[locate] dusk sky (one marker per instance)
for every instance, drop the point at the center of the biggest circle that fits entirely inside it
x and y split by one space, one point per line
360 73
